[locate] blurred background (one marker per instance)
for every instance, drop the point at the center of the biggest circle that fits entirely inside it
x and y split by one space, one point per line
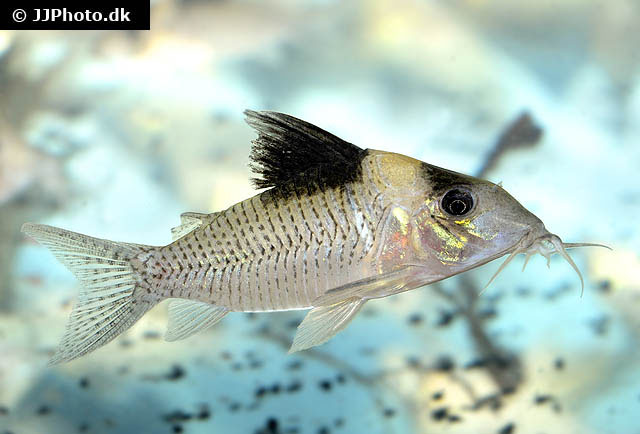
114 134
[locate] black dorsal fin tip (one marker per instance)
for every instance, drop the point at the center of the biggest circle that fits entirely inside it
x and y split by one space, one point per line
287 147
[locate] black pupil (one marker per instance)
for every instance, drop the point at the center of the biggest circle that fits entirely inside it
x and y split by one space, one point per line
457 202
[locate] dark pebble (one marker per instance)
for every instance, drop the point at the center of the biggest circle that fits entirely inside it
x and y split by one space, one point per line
275 389
445 318
541 399
234 406
272 425
323 430
4 410
226 355
177 416
295 386
176 373
437 395
340 379
600 325
559 364
338 422
476 363
493 401
453 418
151 334
509 428
415 319
325 385
178 429
487 313
204 413
605 286
508 390
260 392
439 413
389 412
445 364
83 428
295 365
84 382
255 364
413 362
43 410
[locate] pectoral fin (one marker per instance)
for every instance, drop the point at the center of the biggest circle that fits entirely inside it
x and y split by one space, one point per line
188 222
378 286
187 317
323 322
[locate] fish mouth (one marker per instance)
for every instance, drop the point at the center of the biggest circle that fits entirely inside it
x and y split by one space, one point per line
546 245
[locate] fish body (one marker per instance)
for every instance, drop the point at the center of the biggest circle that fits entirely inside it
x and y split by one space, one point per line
337 226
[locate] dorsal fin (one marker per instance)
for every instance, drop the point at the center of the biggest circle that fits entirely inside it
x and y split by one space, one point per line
291 150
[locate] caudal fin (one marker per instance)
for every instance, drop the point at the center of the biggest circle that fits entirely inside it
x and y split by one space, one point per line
109 301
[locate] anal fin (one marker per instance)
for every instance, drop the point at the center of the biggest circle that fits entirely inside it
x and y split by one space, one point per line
188 222
323 322
188 317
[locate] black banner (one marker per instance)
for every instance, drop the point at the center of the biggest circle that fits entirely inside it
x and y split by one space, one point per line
71 15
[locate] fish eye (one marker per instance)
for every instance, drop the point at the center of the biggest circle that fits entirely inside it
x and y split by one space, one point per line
457 202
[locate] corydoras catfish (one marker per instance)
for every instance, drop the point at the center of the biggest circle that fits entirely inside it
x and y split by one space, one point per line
337 226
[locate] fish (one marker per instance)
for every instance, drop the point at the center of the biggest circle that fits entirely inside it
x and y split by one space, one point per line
335 226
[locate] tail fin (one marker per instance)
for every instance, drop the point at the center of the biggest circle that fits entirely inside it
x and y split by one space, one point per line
109 301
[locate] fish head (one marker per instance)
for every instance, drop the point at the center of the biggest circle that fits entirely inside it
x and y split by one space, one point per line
466 222
470 222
